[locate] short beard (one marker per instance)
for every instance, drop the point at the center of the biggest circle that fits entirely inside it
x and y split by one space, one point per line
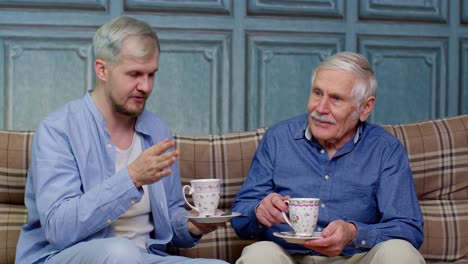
121 109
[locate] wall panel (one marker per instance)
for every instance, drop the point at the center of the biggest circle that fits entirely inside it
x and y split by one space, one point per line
463 99
54 13
192 86
41 76
234 65
280 69
412 77
328 8
403 10
221 7
61 5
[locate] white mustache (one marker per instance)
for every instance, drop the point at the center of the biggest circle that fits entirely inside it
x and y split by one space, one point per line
322 118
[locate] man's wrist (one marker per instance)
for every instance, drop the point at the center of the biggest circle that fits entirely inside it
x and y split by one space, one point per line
131 173
352 232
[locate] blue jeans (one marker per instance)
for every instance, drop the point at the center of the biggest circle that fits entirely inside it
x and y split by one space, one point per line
118 250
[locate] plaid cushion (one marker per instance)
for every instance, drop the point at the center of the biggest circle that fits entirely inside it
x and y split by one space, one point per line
226 157
14 162
438 153
445 229
12 217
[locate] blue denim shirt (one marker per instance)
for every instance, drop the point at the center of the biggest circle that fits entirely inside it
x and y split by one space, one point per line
367 182
74 194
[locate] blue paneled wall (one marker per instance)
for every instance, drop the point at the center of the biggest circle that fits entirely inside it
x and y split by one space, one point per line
235 65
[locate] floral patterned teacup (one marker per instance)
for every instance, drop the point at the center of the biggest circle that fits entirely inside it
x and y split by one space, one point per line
303 215
205 194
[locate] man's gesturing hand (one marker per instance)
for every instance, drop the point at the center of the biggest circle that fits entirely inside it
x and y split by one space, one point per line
270 208
151 165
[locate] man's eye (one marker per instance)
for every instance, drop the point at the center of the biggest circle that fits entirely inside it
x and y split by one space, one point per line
337 98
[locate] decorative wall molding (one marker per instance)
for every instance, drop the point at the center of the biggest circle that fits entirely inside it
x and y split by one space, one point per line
428 10
63 5
321 8
463 84
464 12
220 7
50 83
412 76
184 58
293 56
235 65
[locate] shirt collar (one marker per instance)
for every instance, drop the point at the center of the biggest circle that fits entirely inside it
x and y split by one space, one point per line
308 133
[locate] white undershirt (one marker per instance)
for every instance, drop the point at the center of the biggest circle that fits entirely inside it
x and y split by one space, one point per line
135 224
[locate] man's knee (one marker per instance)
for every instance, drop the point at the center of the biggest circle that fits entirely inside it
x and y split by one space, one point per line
264 252
114 250
396 251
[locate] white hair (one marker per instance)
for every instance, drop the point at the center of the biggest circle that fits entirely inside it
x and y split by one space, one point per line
109 37
356 65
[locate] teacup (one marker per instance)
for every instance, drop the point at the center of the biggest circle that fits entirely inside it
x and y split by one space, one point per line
205 194
303 215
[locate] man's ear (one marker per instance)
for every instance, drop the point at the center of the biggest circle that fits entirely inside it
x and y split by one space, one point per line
100 67
366 108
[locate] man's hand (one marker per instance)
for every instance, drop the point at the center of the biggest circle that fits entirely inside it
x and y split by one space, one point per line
269 210
335 237
151 165
199 229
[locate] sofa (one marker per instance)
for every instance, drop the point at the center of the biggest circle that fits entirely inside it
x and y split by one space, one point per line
438 152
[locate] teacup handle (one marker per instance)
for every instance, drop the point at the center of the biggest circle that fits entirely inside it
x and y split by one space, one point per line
284 215
190 192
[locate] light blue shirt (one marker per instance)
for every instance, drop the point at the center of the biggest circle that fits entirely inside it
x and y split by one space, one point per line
74 194
368 182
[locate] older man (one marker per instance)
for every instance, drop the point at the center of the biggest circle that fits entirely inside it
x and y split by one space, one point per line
369 211
103 184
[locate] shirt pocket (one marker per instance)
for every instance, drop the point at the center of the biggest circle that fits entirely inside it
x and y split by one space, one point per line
359 203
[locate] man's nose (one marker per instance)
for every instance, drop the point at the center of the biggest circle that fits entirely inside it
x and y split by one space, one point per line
323 105
145 84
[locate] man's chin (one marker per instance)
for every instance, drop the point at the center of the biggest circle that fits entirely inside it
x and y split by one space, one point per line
130 112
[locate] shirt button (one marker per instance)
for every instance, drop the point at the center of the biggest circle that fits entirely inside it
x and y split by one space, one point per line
319 229
363 242
109 221
109 145
327 177
322 151
322 205
132 202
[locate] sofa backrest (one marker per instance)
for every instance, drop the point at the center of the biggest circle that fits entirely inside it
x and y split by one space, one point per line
15 149
438 153
437 149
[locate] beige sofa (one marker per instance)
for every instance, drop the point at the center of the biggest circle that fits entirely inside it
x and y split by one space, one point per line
438 151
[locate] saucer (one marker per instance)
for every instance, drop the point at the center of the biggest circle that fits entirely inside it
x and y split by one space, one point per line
291 237
220 217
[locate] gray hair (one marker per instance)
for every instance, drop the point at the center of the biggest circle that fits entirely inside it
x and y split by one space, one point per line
109 37
356 65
